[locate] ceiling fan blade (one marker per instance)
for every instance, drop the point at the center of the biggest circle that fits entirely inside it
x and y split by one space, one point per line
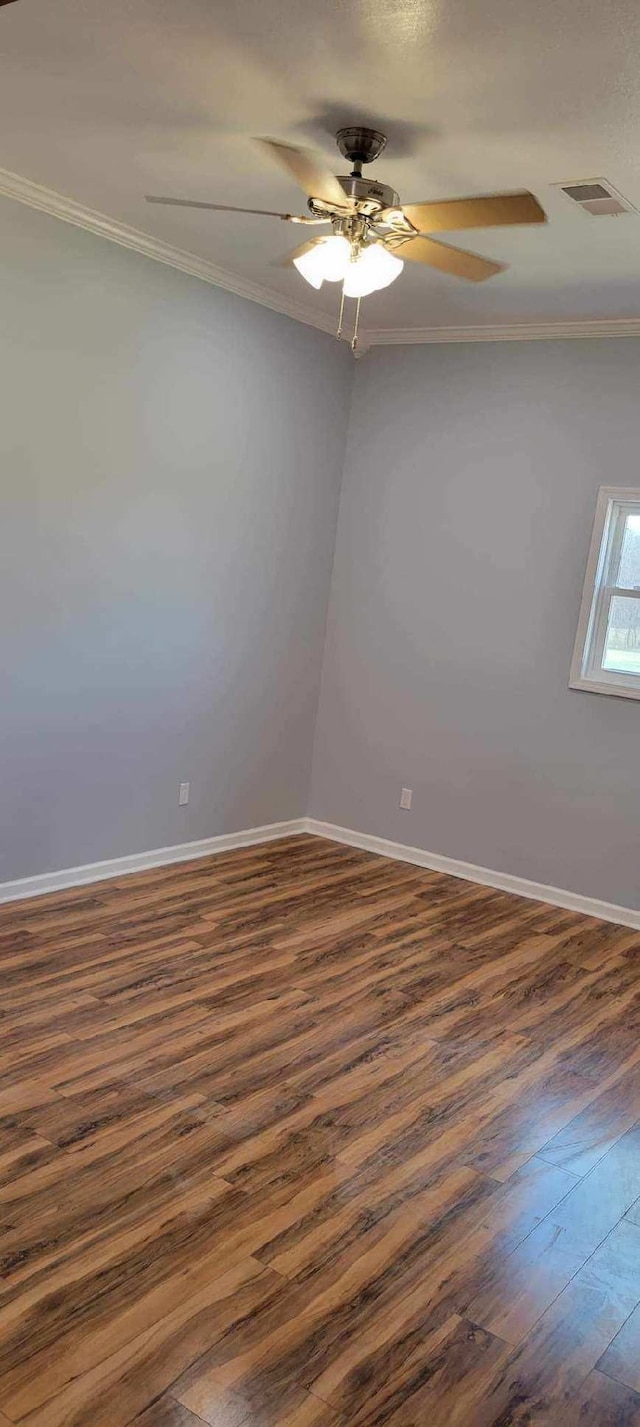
6 2
299 252
449 260
491 211
217 207
303 165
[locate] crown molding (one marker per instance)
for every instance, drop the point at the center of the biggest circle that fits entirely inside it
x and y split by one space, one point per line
507 332
47 200
13 185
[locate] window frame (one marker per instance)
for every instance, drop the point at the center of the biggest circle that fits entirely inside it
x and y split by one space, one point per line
598 592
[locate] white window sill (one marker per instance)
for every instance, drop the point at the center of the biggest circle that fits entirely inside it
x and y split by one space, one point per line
606 686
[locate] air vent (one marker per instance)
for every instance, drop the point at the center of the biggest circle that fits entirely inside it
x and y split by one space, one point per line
598 197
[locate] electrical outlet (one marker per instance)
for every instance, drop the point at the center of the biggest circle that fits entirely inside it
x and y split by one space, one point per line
406 795
183 796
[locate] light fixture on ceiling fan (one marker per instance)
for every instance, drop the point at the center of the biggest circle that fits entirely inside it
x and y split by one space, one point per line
362 272
371 233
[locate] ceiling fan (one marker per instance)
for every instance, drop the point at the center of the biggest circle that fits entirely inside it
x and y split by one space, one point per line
371 233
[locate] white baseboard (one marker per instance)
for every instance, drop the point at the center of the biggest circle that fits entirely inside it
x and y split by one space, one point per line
45 882
503 881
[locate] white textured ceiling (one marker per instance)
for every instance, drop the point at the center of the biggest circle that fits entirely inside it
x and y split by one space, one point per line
104 102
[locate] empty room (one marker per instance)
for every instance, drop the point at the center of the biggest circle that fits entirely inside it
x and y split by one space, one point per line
320 713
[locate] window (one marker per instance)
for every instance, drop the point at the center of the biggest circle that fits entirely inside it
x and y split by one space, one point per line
606 657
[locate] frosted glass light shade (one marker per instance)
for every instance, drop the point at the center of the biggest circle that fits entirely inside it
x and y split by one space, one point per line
374 268
326 262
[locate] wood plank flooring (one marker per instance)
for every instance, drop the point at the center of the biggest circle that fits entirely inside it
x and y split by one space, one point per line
301 1137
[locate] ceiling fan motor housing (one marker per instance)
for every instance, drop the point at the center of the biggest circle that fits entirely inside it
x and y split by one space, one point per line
369 197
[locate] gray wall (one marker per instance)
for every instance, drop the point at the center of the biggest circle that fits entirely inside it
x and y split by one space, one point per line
468 498
170 460
170 468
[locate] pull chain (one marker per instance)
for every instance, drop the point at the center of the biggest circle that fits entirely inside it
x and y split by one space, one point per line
354 339
339 331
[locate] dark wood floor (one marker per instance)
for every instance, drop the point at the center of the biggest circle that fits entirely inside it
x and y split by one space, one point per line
301 1137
